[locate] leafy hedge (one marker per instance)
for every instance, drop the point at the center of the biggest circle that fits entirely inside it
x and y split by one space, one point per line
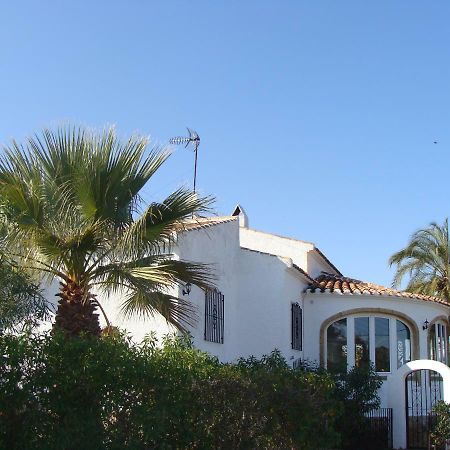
59 393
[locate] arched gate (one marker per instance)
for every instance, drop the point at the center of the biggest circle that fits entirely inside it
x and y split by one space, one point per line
423 389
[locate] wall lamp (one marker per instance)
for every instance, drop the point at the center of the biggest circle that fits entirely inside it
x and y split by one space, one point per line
425 325
186 289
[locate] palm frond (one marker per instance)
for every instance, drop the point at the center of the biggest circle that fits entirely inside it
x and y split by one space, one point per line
180 313
155 228
425 262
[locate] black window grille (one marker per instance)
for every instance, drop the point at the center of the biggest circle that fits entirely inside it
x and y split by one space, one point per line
296 314
214 316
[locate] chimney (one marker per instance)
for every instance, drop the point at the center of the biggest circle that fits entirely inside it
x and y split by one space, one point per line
243 218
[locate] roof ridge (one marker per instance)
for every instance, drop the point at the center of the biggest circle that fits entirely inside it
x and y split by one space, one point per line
203 222
326 259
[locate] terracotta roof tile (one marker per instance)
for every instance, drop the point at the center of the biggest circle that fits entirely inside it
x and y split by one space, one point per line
344 285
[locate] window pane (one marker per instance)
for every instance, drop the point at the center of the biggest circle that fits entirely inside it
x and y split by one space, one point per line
432 342
403 344
337 346
440 343
444 344
362 357
382 361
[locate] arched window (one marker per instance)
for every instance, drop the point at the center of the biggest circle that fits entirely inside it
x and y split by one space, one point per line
359 340
403 344
337 345
437 342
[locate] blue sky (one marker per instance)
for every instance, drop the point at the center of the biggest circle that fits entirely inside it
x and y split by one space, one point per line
319 117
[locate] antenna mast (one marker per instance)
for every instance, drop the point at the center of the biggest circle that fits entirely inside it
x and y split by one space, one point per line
193 139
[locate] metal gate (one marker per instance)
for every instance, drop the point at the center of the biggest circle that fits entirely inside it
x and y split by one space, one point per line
423 389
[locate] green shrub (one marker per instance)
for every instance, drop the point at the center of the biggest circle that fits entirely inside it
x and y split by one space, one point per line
81 393
441 431
356 391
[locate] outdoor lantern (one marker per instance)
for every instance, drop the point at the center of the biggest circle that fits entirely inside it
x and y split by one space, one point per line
425 324
187 289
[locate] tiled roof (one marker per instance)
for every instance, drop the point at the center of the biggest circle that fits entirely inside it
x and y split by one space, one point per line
327 282
204 222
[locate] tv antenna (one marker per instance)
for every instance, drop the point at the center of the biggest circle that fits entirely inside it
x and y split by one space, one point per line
193 139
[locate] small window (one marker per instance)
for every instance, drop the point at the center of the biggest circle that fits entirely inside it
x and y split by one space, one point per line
214 316
296 313
403 344
437 339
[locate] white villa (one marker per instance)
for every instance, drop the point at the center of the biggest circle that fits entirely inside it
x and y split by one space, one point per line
276 292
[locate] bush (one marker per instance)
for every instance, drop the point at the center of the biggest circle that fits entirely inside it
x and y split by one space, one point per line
357 392
440 434
81 393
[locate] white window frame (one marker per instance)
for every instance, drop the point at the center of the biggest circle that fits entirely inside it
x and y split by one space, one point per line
351 339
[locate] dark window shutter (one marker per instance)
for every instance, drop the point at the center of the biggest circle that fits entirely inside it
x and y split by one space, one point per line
296 323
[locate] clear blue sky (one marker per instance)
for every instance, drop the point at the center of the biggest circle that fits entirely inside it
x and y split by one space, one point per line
318 117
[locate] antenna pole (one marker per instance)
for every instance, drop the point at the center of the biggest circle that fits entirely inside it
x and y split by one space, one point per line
195 165
194 139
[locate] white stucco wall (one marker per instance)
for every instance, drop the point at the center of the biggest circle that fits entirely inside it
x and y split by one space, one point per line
277 245
135 326
217 246
316 264
258 288
267 288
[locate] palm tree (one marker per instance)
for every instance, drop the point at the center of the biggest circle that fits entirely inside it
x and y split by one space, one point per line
426 260
22 304
74 213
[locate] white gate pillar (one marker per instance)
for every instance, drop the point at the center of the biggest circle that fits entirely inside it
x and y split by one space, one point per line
396 399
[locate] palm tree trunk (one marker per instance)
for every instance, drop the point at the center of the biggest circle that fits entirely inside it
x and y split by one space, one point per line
76 311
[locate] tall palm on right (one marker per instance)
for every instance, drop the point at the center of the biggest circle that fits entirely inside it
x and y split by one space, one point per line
426 261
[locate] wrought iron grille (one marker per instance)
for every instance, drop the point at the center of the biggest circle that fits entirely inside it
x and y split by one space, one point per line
296 314
380 426
423 389
214 316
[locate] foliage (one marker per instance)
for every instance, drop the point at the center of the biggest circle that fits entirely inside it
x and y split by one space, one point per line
441 431
357 392
426 261
73 211
107 393
21 302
